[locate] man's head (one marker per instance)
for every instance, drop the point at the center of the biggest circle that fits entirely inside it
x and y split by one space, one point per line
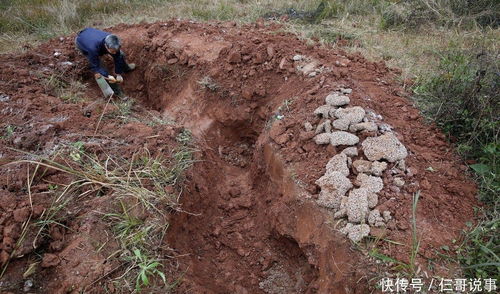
112 44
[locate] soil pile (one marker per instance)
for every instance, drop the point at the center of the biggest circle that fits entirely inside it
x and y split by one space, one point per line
262 217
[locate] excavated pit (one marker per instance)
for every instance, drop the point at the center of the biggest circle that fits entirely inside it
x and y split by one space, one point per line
252 223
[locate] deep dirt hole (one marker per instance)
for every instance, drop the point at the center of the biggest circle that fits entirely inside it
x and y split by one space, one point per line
230 236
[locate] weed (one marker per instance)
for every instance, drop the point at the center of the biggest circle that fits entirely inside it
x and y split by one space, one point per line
147 267
208 83
8 131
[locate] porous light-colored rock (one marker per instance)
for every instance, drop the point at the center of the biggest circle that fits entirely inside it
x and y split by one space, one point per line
364 126
328 126
357 205
356 233
371 183
387 215
338 163
378 168
340 124
308 126
372 200
328 199
362 166
374 218
350 151
386 146
352 114
401 165
297 57
322 139
335 182
324 110
343 138
347 117
346 90
399 182
335 99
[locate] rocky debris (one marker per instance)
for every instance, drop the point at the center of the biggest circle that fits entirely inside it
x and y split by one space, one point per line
333 185
372 200
356 233
308 126
378 168
50 260
324 111
387 215
343 138
350 151
362 166
322 139
324 127
346 90
336 99
399 182
357 206
347 117
386 146
297 57
364 126
375 219
338 163
371 183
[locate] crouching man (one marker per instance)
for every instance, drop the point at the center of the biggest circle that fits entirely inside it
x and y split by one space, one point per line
95 43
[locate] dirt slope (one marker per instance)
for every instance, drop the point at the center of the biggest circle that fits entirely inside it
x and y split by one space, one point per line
253 224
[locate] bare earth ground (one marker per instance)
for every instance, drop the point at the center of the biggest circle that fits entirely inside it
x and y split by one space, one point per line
253 225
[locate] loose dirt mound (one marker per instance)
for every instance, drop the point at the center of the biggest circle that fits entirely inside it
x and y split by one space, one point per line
248 94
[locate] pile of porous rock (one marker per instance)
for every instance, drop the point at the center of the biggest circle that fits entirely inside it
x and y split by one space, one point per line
355 200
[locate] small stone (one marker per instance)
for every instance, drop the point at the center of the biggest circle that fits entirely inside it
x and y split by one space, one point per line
324 127
386 146
338 163
371 183
322 139
357 206
350 151
387 215
308 126
343 138
374 217
297 57
333 186
328 126
378 168
399 182
356 233
364 126
346 90
372 200
50 260
401 165
323 111
341 124
353 114
335 99
362 166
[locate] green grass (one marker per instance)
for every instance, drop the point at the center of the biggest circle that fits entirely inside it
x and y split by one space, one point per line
137 185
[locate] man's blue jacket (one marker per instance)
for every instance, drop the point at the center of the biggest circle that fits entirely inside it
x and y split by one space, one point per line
90 41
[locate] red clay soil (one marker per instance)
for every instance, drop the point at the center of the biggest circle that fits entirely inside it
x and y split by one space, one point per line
253 225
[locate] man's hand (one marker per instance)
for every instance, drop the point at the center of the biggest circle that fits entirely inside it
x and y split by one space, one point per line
111 79
119 79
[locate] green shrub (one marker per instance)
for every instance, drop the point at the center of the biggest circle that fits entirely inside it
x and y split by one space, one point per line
462 97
